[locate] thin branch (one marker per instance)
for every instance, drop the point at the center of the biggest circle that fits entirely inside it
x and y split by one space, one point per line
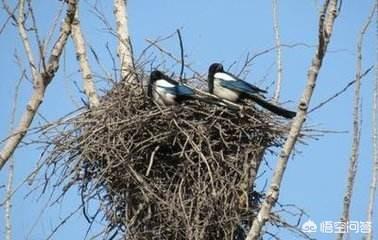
353 162
41 81
36 34
277 39
85 69
181 54
374 168
63 222
8 202
10 16
176 59
9 186
25 40
341 91
249 59
326 22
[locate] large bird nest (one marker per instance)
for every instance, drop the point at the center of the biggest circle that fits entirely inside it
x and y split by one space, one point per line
180 172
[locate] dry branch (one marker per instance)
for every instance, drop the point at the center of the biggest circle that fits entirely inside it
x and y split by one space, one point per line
326 22
343 90
81 54
41 80
374 168
277 39
26 42
353 162
124 50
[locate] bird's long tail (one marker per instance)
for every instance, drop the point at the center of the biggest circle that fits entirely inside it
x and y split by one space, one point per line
273 107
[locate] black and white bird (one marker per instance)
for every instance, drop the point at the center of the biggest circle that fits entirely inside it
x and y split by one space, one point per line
165 91
227 86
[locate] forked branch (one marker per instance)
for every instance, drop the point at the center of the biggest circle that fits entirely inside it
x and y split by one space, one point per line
40 79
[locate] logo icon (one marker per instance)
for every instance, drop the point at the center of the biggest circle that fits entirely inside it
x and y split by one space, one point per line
309 226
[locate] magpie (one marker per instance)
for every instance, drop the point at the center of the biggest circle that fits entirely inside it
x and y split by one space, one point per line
166 91
227 86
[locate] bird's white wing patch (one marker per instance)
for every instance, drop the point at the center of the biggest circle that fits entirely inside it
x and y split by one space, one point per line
224 76
163 83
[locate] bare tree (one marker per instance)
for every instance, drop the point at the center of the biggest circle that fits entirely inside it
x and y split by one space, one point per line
327 18
353 162
41 79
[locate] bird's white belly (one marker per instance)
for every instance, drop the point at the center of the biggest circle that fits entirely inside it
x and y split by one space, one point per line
163 98
224 92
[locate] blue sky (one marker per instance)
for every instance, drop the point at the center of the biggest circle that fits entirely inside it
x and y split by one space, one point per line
222 31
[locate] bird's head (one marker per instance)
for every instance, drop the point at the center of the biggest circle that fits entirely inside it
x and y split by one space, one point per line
215 68
156 75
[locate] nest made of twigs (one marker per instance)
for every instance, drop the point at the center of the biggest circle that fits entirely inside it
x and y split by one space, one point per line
180 172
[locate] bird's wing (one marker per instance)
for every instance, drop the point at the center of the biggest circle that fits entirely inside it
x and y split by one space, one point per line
230 81
240 86
168 90
166 86
173 88
184 91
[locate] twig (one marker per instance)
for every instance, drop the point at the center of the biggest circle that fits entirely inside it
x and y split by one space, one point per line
36 34
326 22
181 55
249 59
353 161
63 222
341 91
169 54
10 16
25 40
151 160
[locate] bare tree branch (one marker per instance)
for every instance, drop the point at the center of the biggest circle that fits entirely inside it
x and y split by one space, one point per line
124 50
81 54
326 22
8 202
181 55
329 99
277 39
9 187
25 40
353 162
41 79
10 15
374 168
